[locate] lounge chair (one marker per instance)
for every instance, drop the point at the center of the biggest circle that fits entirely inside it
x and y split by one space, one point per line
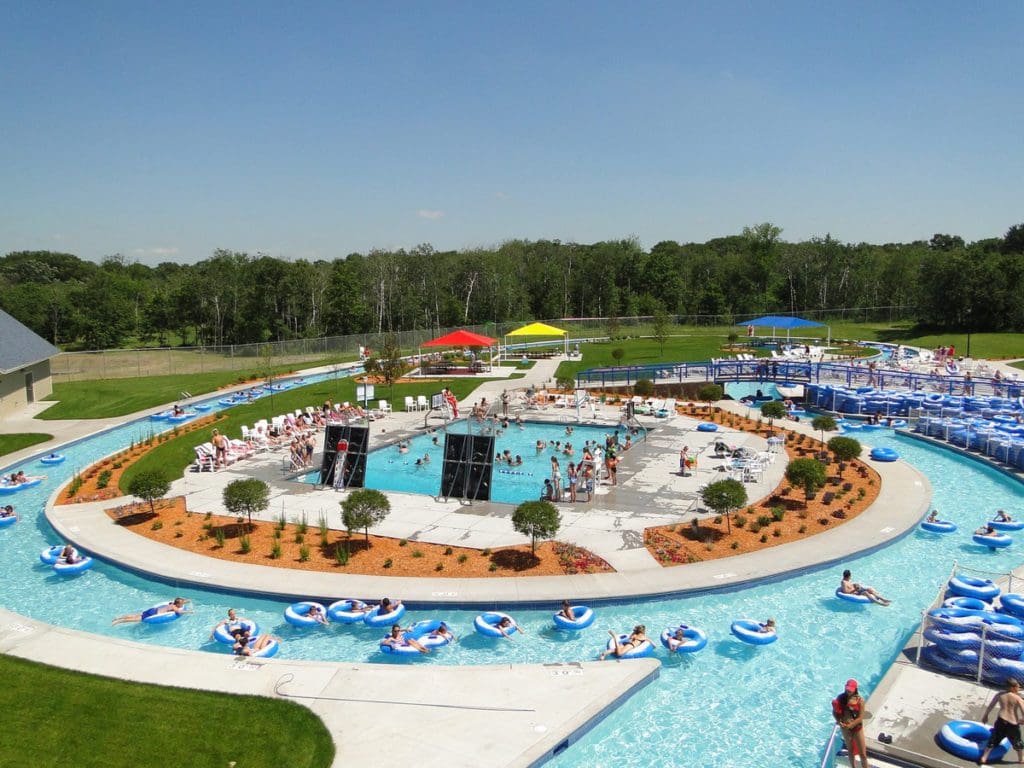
421 403
410 404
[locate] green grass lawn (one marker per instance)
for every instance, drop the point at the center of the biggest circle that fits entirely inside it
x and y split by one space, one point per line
698 346
54 717
103 398
174 455
12 443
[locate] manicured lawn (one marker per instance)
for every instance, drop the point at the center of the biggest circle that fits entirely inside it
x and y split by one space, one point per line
55 717
698 345
102 398
176 454
12 443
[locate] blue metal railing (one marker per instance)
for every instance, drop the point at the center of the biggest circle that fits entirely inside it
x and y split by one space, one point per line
777 370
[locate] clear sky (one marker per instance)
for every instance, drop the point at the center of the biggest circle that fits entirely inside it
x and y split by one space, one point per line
311 130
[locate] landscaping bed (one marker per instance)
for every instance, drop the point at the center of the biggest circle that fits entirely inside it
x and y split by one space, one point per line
306 546
781 517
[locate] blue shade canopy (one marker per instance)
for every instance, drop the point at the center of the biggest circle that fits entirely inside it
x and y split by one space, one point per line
782 321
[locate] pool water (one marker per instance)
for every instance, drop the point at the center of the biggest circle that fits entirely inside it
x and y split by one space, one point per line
388 469
729 705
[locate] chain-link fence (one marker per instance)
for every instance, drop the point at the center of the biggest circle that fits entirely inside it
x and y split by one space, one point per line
130 363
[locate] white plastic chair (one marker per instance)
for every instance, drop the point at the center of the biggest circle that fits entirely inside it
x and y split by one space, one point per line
421 403
384 407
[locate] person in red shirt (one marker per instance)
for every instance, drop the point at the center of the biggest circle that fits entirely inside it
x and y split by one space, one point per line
848 710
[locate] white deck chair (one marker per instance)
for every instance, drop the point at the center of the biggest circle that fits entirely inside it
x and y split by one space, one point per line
668 409
410 404
384 407
204 460
421 403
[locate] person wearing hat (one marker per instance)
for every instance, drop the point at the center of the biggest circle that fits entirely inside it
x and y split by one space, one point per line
848 710
1008 720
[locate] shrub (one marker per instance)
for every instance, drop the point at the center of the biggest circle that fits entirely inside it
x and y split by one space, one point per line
861 493
149 485
802 529
304 553
402 542
492 567
764 520
208 516
778 513
364 508
303 525
739 521
299 538
341 555
536 519
463 557
439 567
277 534
716 521
321 523
218 535
275 550
777 532
755 527
486 552
844 448
386 563
448 550
178 534
823 520
764 538
643 388
207 526
417 553
244 544
325 539
281 522
735 545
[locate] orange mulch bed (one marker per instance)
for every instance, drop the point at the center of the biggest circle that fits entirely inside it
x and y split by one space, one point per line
756 527
100 480
172 524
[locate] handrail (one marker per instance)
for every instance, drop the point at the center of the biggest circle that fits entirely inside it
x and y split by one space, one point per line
828 760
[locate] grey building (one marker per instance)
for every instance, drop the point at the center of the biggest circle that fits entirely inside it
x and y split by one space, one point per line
24 365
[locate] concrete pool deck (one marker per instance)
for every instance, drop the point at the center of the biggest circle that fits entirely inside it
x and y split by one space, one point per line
651 492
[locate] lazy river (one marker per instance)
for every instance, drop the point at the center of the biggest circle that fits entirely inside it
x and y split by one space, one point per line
728 705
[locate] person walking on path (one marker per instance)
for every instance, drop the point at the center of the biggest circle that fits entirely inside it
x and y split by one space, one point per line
1008 720
848 711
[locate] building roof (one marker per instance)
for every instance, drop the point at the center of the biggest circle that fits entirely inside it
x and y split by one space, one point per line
20 346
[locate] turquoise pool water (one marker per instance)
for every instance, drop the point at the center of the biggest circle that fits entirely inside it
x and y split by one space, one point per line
388 469
729 705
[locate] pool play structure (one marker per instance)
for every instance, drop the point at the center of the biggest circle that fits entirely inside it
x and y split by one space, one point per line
666 716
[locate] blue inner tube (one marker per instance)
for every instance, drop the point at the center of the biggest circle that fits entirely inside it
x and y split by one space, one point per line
222 633
1007 525
646 648
422 631
969 586
694 639
70 569
1012 604
972 603
748 631
954 662
884 454
347 611
486 624
852 598
7 522
998 541
963 618
270 649
967 740
375 619
53 458
150 615
297 614
707 426
584 618
938 526
50 555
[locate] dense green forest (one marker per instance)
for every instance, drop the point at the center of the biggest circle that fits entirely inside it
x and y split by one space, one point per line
236 298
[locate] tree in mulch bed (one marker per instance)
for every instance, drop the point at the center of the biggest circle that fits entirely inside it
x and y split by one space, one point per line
244 497
149 485
536 519
364 508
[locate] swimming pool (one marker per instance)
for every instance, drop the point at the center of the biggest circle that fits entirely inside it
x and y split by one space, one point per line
729 705
388 469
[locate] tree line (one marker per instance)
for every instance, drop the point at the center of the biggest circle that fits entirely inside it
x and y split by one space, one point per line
238 298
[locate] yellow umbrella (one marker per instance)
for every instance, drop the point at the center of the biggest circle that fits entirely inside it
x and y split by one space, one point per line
541 329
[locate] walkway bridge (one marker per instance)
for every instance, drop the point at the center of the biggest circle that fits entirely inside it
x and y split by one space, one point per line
844 373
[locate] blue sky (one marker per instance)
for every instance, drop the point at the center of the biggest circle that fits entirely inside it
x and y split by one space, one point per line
312 130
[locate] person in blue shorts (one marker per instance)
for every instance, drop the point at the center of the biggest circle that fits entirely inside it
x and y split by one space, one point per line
177 605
